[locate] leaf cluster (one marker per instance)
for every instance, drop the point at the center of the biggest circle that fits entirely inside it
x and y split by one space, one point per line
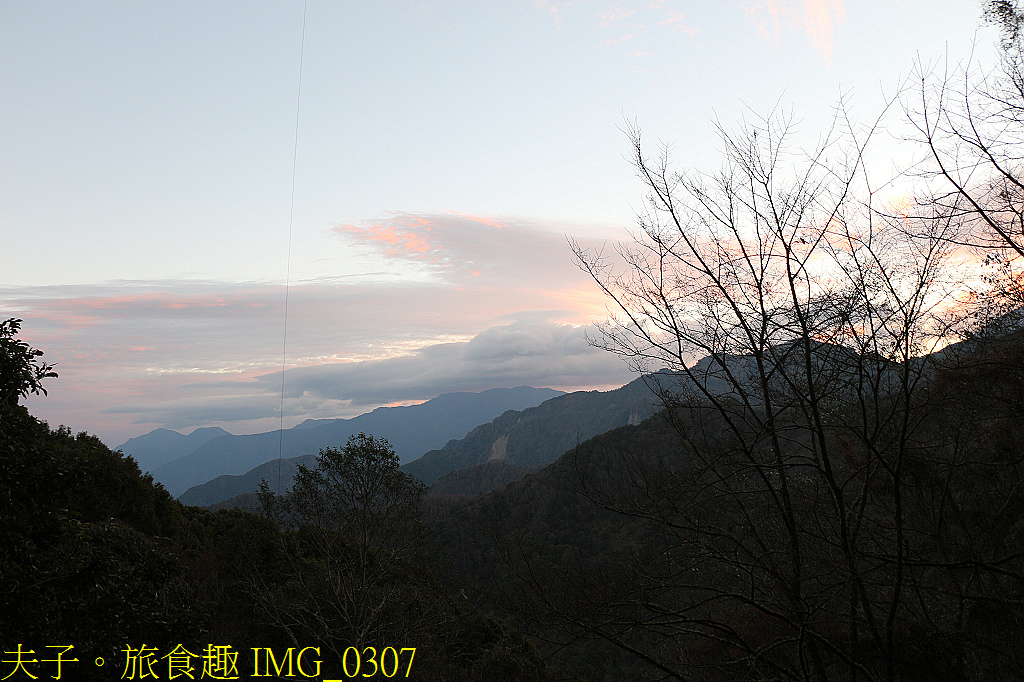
21 373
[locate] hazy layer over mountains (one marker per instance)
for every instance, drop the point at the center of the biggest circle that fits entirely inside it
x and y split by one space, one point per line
505 434
411 430
489 456
278 473
513 431
160 446
537 436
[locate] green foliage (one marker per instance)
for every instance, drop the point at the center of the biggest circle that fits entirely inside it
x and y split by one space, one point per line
83 559
101 585
357 490
79 526
21 372
344 571
97 555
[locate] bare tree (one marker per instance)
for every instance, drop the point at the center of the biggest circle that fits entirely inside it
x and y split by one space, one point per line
971 124
794 535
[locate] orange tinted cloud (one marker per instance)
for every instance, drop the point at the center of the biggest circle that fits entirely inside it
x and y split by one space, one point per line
188 353
766 15
148 300
554 9
458 246
820 18
483 220
402 236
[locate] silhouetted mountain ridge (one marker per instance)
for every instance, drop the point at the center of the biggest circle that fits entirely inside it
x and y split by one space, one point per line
160 446
411 430
537 436
228 486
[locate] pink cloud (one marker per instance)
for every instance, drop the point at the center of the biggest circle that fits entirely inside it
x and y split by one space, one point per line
766 16
180 347
611 16
401 236
457 246
818 19
554 9
675 20
623 38
483 220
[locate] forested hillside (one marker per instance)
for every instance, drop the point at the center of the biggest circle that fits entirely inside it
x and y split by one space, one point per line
538 435
225 487
639 560
99 559
478 479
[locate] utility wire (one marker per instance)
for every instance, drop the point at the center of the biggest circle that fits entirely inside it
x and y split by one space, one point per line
288 266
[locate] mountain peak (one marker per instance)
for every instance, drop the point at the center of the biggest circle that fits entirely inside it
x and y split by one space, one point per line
412 430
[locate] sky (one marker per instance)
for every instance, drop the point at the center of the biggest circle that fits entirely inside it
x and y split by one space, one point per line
195 195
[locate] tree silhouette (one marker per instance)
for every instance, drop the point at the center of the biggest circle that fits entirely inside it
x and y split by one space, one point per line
21 372
802 528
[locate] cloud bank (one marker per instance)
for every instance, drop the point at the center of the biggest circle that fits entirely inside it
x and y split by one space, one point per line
532 351
458 303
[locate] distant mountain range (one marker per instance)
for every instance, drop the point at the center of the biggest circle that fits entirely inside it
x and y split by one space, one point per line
491 455
411 430
228 486
537 436
519 441
160 446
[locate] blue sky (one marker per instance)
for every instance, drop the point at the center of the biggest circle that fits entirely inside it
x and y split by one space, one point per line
445 151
